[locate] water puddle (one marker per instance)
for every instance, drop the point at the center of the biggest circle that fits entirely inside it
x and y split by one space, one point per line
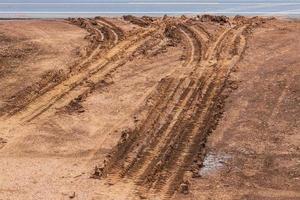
213 163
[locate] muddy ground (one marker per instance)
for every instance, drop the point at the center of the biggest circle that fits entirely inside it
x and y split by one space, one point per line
150 108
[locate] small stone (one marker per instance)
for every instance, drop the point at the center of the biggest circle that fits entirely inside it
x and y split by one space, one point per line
184 188
98 172
3 141
234 86
72 196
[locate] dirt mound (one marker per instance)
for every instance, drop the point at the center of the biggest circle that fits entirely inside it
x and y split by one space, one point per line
138 21
172 32
148 19
239 19
213 18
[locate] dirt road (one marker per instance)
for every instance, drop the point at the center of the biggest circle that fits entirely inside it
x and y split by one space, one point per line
149 108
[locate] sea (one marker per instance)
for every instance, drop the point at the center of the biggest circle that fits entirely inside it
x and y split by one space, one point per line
90 8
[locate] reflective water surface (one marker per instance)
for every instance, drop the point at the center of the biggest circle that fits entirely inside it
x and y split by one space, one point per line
55 8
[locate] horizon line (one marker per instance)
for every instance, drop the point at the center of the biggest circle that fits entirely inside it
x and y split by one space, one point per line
282 12
158 3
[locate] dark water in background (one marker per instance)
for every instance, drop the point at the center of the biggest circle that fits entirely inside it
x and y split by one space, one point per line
66 8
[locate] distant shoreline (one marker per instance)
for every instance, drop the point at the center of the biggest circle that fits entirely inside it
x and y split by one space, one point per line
48 17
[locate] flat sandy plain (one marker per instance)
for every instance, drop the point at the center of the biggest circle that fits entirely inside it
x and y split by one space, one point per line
150 108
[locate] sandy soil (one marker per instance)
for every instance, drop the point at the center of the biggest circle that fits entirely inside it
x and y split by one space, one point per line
31 48
254 152
149 108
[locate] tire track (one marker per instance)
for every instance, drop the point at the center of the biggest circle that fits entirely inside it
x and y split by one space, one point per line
92 72
113 37
53 78
195 45
205 115
176 99
152 119
175 116
158 154
117 30
205 33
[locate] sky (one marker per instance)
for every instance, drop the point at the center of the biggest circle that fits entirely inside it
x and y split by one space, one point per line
63 8
149 1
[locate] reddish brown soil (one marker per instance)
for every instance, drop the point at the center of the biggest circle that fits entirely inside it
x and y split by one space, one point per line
254 152
150 108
